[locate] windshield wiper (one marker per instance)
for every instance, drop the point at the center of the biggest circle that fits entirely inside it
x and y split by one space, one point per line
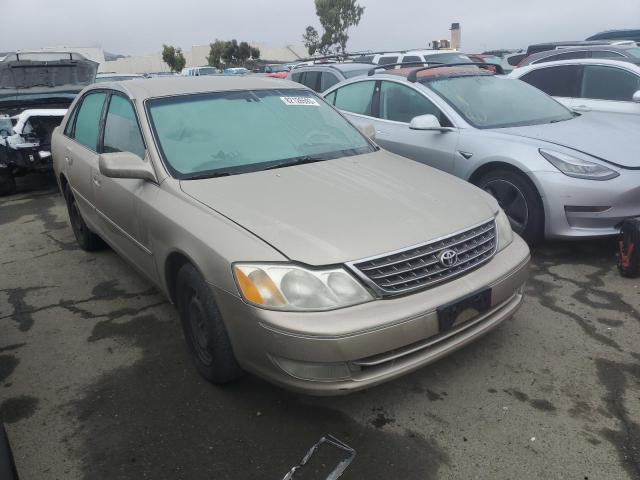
201 176
296 161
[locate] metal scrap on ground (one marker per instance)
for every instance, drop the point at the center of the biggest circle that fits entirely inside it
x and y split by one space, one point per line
338 470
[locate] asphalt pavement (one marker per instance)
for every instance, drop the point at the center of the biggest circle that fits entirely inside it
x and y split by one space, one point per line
96 381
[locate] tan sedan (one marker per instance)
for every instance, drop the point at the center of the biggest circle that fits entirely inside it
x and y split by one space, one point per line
292 246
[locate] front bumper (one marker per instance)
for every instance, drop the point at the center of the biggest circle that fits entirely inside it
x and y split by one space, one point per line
328 353
587 208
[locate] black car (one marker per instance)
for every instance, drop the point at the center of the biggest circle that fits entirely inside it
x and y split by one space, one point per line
629 34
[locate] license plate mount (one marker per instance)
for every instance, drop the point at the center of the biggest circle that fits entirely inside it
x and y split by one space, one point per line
463 309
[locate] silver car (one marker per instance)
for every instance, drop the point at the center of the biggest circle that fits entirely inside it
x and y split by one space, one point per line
292 246
556 173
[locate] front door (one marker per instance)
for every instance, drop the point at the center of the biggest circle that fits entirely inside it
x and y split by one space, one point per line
608 89
398 104
118 199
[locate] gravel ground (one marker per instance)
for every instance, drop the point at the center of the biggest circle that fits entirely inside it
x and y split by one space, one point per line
96 382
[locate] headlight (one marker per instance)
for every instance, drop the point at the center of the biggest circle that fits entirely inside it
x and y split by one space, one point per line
575 167
288 287
503 230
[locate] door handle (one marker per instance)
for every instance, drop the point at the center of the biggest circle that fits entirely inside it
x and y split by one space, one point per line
96 181
582 108
68 160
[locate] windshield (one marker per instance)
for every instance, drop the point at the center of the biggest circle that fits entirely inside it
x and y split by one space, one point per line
243 131
491 102
207 71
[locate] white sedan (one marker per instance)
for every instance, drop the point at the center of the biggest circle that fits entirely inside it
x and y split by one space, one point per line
587 84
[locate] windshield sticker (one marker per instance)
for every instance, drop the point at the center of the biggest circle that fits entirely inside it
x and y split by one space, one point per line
308 101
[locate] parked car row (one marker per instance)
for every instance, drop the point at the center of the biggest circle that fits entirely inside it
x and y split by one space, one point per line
296 248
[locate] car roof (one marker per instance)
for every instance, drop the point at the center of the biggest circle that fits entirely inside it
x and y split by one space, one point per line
626 62
438 72
344 66
548 53
142 89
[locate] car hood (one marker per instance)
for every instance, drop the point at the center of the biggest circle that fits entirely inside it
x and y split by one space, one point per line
29 81
346 209
607 136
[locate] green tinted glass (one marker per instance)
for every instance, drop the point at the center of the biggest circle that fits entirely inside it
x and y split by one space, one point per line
88 121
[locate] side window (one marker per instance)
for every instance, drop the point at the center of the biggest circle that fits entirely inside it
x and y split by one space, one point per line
297 77
121 130
401 103
411 58
356 97
88 120
365 59
387 60
331 98
562 81
564 56
327 81
605 54
312 80
609 83
68 129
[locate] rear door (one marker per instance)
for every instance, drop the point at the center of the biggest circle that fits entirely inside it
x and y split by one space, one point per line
80 151
609 89
120 201
561 82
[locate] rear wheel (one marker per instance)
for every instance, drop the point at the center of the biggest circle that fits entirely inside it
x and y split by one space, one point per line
87 240
7 185
204 329
519 199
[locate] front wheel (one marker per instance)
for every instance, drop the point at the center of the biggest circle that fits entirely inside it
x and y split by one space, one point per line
204 329
520 201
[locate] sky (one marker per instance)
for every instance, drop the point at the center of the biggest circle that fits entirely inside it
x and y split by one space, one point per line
142 26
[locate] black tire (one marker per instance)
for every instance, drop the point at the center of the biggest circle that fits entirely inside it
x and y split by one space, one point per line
87 240
7 185
204 329
519 199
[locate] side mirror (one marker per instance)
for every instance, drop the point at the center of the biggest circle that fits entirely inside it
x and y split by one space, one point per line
368 130
636 97
126 165
427 122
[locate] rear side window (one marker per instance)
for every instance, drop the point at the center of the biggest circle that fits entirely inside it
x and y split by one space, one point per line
327 81
356 97
605 54
296 77
312 80
401 104
88 120
563 56
121 130
609 83
411 58
562 81
387 60
366 59
68 129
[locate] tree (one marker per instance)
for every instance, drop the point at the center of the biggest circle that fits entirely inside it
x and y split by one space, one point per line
173 57
311 40
255 53
215 53
244 52
336 17
230 52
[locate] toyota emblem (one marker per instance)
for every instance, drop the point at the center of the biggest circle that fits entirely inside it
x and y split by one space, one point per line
448 258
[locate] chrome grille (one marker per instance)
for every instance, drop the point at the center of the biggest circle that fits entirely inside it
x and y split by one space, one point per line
420 267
